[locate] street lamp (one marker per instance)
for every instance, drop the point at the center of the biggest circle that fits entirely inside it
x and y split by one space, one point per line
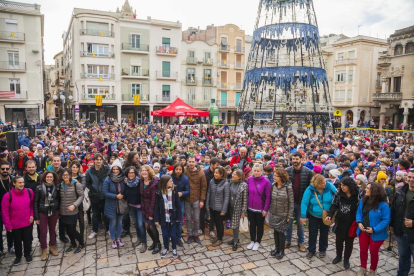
62 97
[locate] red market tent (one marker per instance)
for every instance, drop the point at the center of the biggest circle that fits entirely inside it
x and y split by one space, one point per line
179 109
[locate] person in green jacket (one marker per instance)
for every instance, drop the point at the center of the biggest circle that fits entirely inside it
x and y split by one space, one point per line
168 142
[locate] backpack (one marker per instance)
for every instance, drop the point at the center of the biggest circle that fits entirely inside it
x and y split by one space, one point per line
10 195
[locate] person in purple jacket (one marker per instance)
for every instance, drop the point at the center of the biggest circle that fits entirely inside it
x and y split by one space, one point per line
258 203
17 213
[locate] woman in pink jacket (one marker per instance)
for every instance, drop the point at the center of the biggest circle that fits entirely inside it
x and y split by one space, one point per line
17 213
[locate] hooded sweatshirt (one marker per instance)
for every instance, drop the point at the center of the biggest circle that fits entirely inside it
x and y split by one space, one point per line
258 188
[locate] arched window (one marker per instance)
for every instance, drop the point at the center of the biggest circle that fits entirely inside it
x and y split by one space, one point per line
409 48
398 50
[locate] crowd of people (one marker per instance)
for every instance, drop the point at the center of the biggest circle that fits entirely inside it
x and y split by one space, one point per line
211 178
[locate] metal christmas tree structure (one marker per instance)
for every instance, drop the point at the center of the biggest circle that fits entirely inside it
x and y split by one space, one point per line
285 80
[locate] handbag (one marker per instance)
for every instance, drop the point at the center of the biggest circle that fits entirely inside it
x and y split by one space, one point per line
353 229
244 225
86 202
325 214
122 207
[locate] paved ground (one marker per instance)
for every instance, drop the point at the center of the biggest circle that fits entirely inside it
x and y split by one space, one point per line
100 259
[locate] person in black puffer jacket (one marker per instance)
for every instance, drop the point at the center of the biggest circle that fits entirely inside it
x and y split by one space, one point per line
46 211
345 203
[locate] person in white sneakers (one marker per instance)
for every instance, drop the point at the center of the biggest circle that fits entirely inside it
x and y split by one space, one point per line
258 204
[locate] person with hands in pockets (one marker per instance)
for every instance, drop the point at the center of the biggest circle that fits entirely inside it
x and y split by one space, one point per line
167 213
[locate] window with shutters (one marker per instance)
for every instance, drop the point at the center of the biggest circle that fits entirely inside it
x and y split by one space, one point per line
191 96
223 78
166 42
190 75
238 84
166 91
350 75
207 76
135 41
340 76
15 85
135 89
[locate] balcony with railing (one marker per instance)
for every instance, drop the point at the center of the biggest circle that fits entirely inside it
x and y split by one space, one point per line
165 99
208 61
239 65
10 66
238 86
228 104
224 48
98 76
98 55
92 96
384 61
199 103
191 60
345 61
127 73
224 63
191 81
130 98
239 50
166 50
134 48
207 81
13 96
94 32
390 96
12 37
224 85
168 75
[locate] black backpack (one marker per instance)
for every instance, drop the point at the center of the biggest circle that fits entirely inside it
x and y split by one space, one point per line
10 195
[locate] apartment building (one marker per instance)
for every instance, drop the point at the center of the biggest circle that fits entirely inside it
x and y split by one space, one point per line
49 84
395 79
230 63
117 55
351 65
21 59
198 73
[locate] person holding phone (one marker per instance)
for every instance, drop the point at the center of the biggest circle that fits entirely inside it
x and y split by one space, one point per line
373 216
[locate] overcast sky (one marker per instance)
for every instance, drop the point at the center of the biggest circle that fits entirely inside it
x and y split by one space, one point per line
376 17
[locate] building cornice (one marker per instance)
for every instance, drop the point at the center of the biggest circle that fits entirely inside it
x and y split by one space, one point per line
361 39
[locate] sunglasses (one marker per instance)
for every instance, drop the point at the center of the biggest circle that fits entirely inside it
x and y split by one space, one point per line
5 169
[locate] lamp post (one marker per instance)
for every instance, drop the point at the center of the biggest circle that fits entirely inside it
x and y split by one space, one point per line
62 97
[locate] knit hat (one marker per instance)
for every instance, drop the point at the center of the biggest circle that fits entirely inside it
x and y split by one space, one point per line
401 173
386 161
258 156
331 156
381 175
317 169
335 173
330 167
20 151
246 171
362 178
309 165
117 163
156 164
30 154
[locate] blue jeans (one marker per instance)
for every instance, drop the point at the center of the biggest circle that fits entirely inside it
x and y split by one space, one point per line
136 214
168 232
9 236
180 224
406 252
115 226
301 232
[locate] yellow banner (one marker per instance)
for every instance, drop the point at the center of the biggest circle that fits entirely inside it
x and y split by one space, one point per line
98 100
137 99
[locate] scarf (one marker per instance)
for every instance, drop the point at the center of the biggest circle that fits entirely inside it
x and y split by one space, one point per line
167 204
117 178
133 183
34 177
48 198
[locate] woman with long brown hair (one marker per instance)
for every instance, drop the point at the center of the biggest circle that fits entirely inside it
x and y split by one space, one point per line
373 217
46 211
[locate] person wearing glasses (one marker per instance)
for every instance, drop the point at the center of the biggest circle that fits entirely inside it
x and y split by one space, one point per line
281 210
6 182
113 189
71 196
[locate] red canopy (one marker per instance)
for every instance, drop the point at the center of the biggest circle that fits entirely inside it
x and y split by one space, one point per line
179 109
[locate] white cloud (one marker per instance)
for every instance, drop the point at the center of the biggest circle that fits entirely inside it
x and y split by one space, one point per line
380 17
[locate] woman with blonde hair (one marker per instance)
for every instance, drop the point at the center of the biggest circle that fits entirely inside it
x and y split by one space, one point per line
316 199
148 187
